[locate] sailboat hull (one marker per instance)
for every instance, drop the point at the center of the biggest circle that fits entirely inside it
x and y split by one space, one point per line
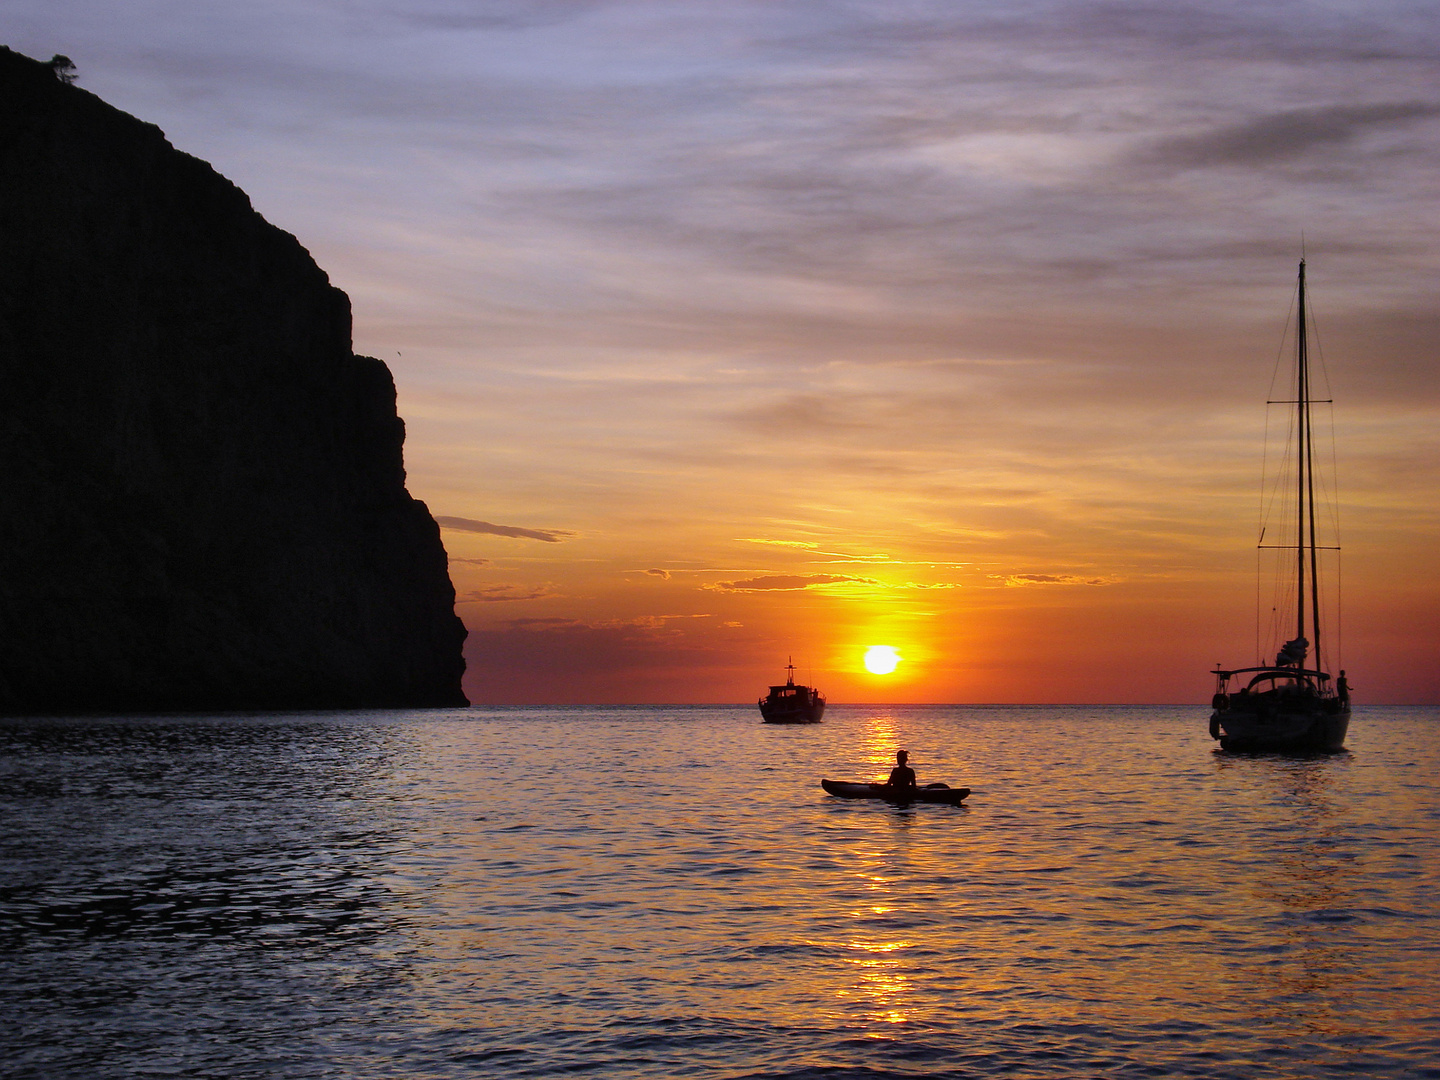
1319 728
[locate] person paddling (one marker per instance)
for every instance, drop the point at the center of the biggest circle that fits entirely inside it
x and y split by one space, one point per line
902 776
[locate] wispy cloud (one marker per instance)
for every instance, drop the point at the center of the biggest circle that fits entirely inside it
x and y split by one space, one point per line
499 594
483 15
781 582
1025 580
804 545
638 623
1282 136
459 524
816 549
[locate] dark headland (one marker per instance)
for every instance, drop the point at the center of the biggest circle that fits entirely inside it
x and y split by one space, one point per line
202 495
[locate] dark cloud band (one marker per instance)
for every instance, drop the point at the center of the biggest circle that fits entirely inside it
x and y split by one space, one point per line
549 536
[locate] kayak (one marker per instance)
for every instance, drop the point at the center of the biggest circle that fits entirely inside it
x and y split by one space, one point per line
937 793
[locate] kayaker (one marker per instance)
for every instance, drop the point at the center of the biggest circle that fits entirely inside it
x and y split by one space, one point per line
902 776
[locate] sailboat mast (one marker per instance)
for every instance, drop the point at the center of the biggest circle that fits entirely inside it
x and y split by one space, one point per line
1302 456
1310 489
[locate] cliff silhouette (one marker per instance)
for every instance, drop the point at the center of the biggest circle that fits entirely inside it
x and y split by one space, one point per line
202 494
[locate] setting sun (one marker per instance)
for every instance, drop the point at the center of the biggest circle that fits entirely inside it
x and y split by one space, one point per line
881 659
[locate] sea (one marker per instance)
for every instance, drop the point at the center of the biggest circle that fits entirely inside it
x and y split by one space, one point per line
667 892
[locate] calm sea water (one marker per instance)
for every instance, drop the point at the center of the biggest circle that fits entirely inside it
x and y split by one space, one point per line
666 892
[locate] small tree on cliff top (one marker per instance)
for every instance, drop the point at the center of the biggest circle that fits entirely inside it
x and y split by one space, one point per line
64 68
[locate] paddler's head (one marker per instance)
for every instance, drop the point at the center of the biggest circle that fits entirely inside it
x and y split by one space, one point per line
901 756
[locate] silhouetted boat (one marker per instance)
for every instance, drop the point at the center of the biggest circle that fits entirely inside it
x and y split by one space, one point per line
791 704
936 793
1286 705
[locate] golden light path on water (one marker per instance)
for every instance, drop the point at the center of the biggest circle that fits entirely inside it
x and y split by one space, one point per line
880 977
881 980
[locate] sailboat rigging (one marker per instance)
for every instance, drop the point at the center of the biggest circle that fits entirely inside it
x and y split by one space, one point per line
1287 705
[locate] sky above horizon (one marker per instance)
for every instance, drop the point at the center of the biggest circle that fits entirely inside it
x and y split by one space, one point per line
726 333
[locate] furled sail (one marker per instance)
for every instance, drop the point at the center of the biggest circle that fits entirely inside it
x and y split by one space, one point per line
1293 653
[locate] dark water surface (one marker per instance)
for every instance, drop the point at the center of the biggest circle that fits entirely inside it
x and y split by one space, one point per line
666 892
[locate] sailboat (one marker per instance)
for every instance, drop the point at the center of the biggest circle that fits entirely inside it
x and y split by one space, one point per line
1292 704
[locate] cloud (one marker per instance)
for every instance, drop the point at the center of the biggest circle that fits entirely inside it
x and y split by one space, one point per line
472 562
1025 580
639 624
497 594
768 582
480 15
459 524
656 622
795 582
664 575
1281 136
807 546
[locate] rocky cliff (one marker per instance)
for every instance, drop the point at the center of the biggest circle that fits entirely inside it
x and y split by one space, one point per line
202 497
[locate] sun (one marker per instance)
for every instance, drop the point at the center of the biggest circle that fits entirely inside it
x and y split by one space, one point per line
881 659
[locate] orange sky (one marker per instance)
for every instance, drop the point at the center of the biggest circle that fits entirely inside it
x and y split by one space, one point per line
772 329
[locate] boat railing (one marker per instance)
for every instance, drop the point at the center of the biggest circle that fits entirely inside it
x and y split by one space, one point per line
1313 682
1272 669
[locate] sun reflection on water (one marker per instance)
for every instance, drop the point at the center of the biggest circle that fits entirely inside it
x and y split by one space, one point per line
877 984
880 982
879 739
